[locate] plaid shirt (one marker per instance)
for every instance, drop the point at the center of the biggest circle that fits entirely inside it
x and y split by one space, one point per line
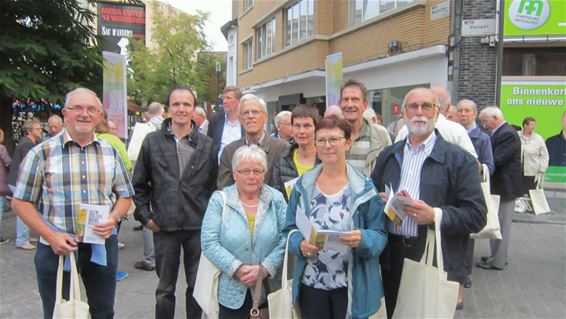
58 175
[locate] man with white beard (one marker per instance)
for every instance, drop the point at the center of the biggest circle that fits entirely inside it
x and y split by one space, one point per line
438 176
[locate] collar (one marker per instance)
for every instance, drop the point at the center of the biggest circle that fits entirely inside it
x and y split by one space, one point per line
67 138
226 120
192 137
364 130
430 140
497 128
471 127
260 142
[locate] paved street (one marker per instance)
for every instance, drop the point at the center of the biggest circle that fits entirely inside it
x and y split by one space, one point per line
533 285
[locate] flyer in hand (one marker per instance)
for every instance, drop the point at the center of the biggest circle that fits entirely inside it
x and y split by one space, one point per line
90 215
322 238
394 207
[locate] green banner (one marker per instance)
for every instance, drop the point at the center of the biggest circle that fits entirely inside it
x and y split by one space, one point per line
543 100
555 174
534 17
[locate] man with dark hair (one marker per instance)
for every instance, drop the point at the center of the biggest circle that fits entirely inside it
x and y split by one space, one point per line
369 140
224 127
439 177
32 137
173 179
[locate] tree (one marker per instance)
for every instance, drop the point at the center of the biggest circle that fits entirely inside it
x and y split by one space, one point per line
171 60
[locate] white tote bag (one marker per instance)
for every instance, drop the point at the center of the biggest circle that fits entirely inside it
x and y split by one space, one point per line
281 301
424 291
538 199
73 308
205 291
491 229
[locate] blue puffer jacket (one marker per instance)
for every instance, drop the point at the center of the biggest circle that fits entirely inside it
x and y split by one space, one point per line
226 240
365 287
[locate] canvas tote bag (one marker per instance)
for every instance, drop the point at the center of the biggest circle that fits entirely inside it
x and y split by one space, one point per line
281 301
538 199
424 291
206 283
73 308
491 229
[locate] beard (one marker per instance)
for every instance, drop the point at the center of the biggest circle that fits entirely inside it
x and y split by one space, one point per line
417 128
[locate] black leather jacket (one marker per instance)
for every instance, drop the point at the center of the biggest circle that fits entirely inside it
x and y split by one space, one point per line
174 201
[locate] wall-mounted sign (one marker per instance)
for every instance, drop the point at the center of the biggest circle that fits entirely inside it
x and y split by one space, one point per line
117 22
440 10
478 27
534 17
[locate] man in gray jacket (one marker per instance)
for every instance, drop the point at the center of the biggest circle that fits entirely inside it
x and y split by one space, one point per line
173 180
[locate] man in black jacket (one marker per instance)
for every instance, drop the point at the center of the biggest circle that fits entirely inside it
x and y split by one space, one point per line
438 176
224 127
174 177
506 181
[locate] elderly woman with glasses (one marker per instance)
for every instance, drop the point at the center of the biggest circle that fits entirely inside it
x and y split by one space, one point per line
242 234
341 280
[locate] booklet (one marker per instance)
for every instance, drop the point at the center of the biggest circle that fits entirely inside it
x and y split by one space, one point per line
322 238
394 207
90 215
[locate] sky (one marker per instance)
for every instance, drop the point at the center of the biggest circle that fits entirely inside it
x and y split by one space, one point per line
220 13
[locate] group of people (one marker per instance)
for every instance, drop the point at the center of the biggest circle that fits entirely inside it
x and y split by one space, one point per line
236 193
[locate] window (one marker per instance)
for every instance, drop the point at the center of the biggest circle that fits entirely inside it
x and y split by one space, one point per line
299 21
248 4
362 10
247 46
265 36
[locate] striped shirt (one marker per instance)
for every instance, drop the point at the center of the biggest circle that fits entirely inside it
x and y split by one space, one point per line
413 160
58 175
359 150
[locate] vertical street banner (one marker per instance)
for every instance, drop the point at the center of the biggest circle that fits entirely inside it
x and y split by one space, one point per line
334 77
114 95
118 22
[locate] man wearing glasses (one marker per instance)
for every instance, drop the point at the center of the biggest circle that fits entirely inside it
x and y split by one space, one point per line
436 175
253 116
33 135
174 178
369 139
57 177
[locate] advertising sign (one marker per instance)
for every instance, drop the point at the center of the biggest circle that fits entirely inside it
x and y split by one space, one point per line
117 22
334 76
534 17
543 100
114 91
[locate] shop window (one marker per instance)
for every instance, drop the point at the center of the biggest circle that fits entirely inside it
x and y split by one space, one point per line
534 62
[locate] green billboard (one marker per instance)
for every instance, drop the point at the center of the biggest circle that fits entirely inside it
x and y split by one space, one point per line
543 100
534 18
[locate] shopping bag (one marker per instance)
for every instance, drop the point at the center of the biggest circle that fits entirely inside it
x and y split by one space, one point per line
73 308
538 198
256 312
424 291
281 301
491 229
205 291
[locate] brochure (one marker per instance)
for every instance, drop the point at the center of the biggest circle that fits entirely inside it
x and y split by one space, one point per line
394 207
325 239
90 215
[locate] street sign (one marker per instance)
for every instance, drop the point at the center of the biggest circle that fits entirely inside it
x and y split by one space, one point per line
478 27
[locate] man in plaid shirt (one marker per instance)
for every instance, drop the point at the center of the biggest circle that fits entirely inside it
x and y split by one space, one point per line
57 176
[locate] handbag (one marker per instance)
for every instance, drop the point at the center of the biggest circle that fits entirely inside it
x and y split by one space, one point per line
73 308
281 301
256 312
424 291
205 291
492 229
538 198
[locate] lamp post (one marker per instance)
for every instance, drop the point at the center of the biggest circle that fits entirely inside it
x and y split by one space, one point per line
218 69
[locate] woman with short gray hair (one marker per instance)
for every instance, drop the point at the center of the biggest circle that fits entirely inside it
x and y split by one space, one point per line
242 232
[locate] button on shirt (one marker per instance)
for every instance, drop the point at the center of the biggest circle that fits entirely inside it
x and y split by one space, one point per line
58 175
413 160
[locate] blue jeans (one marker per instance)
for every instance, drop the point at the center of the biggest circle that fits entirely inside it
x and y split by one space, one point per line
22 232
99 281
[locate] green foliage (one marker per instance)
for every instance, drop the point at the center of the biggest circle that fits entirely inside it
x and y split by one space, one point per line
171 59
47 48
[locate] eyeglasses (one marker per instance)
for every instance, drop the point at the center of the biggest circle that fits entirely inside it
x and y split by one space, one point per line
251 113
333 140
247 171
90 110
426 107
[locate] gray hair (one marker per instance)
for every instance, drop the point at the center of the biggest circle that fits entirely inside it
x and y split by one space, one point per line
436 101
82 90
369 113
154 109
470 102
252 153
200 111
492 111
334 110
250 97
443 96
29 124
281 116
56 118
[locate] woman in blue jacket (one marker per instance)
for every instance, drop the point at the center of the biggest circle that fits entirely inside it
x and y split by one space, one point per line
342 280
245 239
